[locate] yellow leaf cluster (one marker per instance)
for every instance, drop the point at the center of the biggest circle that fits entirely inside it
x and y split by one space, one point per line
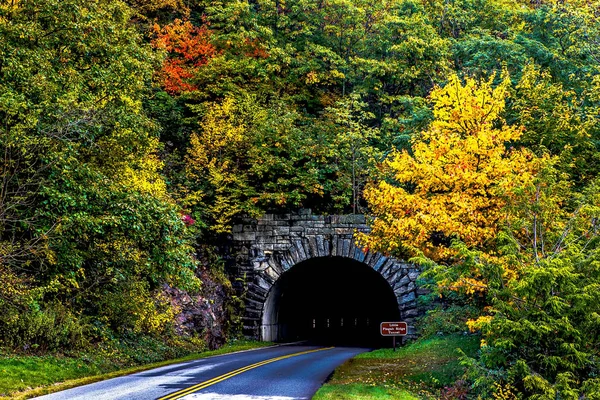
145 177
455 182
216 154
476 324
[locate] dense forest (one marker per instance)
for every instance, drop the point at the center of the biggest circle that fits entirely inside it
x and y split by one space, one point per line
134 133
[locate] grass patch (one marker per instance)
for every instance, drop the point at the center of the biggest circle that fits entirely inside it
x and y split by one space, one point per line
419 369
357 391
28 376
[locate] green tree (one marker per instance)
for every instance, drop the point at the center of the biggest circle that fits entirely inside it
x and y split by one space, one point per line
87 211
540 331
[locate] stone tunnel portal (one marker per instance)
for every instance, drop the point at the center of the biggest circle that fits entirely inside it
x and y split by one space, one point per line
329 300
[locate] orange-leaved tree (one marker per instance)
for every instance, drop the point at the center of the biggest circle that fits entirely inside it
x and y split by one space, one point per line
456 179
188 48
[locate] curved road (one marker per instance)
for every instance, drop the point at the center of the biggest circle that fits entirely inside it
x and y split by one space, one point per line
276 373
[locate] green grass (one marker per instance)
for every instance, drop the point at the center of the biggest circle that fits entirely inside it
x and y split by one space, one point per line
27 376
416 371
357 391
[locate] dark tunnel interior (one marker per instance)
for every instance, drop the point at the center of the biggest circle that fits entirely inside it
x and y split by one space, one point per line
331 301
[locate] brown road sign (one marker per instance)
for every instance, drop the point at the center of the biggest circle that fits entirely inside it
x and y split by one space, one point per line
393 328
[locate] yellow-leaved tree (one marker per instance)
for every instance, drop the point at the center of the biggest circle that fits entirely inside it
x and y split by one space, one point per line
456 179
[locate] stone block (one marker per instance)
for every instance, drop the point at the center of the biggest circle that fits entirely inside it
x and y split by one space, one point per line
281 246
311 231
244 236
368 257
361 255
289 259
258 290
293 253
387 268
355 252
382 260
407 298
305 246
407 306
344 231
346 247
327 246
285 265
332 219
404 281
312 247
353 219
300 250
262 282
281 231
297 229
274 265
320 246
406 289
414 274
413 313
374 259
307 224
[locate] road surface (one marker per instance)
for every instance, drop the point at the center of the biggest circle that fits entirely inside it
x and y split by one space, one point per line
276 373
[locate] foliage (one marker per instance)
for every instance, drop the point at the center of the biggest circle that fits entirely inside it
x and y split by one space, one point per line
422 368
558 121
86 214
541 327
188 47
532 261
248 157
135 132
446 320
453 183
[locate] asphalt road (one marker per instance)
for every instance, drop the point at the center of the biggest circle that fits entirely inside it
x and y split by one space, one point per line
277 373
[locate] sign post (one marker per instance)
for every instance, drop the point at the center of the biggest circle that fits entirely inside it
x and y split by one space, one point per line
393 329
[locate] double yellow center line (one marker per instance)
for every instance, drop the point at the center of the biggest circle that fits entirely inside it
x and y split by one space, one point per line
184 392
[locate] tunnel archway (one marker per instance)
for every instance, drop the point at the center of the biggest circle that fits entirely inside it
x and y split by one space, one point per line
329 300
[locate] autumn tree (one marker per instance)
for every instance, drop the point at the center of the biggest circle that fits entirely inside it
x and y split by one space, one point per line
454 182
188 47
246 157
88 223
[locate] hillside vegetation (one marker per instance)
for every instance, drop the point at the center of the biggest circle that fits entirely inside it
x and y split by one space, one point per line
134 133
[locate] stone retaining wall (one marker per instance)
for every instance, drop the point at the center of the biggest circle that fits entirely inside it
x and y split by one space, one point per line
265 248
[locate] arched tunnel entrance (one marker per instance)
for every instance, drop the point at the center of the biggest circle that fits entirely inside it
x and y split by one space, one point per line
329 300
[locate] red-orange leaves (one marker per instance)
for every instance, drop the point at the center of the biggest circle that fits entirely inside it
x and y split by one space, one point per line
188 47
255 49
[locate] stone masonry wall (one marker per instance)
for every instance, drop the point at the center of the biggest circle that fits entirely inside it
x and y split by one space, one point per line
265 248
